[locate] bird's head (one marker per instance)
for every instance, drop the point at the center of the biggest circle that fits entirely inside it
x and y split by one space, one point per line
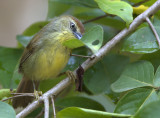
68 27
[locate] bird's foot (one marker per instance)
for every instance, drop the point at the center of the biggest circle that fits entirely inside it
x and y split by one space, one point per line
71 75
37 94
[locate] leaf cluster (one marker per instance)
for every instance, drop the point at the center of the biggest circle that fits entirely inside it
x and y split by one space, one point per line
125 83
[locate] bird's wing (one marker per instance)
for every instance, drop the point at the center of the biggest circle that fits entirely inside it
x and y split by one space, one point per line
29 50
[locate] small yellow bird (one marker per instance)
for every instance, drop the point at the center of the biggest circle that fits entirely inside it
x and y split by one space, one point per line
45 56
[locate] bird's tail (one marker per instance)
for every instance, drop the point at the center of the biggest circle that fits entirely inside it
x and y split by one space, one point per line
25 86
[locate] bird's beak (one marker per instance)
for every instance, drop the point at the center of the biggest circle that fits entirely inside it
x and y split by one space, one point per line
78 35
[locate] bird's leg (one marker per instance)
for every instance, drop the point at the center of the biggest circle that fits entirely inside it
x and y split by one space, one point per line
76 78
36 92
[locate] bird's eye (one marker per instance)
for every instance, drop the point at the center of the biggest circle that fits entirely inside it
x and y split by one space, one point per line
73 27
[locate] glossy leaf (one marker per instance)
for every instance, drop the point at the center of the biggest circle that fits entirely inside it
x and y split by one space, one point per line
114 22
24 40
82 3
73 43
28 34
141 41
104 100
16 77
136 99
149 111
8 61
6 111
138 74
116 7
153 58
34 28
157 78
99 78
56 8
147 3
92 39
5 93
74 112
82 102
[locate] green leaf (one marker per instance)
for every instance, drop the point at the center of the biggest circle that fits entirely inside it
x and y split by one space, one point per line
16 77
82 3
116 7
5 93
56 8
157 78
28 34
147 3
99 78
102 99
74 61
73 43
136 99
138 74
92 39
153 58
34 28
79 102
6 111
74 112
142 41
114 22
24 40
8 61
149 111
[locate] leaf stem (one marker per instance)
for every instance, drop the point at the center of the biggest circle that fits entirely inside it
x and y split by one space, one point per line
97 18
153 30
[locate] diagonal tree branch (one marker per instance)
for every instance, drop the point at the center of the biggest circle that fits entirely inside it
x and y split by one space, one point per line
90 62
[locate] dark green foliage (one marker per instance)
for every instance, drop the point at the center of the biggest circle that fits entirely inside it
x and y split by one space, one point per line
124 83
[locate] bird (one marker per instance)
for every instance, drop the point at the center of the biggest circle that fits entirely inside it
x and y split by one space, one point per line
45 56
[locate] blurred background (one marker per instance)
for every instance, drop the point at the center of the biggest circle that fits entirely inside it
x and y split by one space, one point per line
17 15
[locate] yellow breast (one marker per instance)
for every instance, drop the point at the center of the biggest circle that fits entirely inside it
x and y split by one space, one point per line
47 62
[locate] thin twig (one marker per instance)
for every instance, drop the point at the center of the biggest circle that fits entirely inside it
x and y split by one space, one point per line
22 93
80 56
97 18
139 3
16 97
90 62
154 30
46 107
53 105
40 114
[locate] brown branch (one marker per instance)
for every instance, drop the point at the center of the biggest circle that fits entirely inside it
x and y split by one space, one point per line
97 18
90 62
